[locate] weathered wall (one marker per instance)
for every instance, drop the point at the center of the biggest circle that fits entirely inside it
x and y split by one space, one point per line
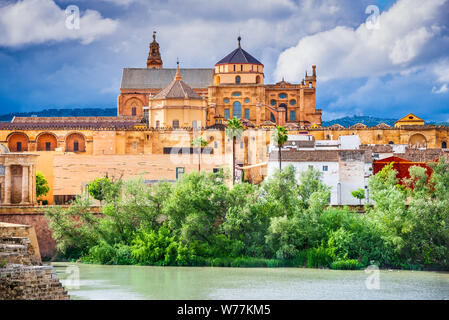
34 217
22 276
72 173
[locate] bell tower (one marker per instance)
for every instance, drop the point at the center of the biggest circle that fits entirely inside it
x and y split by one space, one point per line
154 60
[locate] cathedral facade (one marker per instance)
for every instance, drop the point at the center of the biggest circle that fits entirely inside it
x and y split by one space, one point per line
235 87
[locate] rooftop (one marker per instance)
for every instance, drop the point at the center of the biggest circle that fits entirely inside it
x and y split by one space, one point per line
143 78
239 56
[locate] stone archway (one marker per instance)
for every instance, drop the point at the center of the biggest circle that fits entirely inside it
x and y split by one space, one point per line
75 142
417 141
18 142
46 141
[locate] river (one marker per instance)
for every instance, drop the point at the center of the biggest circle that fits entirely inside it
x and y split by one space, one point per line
101 282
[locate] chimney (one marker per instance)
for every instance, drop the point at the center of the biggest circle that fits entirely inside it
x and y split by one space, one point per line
314 71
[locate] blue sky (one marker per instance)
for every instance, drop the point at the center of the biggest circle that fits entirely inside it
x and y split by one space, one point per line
400 67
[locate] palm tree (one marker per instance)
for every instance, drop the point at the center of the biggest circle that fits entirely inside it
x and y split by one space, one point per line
280 137
200 143
234 131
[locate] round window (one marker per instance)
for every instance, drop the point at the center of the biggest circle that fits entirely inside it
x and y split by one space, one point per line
283 95
246 100
226 100
292 102
273 102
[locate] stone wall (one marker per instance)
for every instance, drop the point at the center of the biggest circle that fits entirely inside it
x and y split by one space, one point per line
22 276
32 216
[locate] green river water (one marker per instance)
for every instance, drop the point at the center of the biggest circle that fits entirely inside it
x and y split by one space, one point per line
140 282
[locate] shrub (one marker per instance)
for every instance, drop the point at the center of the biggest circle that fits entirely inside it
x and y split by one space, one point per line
350 264
319 257
155 247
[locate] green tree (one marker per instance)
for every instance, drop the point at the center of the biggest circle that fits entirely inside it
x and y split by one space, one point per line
234 131
99 187
200 143
359 194
75 228
196 206
42 187
280 137
310 182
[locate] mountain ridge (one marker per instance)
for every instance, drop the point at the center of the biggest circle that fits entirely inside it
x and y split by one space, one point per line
348 121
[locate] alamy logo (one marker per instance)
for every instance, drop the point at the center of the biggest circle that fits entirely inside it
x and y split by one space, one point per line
73 279
72 20
373 280
373 21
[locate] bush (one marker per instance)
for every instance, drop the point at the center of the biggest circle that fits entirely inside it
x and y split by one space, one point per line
319 257
350 264
155 247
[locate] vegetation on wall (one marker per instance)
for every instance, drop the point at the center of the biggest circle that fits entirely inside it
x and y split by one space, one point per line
285 221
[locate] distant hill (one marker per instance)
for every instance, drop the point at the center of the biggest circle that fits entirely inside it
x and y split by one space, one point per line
369 121
366 120
88 112
110 112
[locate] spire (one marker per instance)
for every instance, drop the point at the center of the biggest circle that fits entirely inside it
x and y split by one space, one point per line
178 74
239 39
154 60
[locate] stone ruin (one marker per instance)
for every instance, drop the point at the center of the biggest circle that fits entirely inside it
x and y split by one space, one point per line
22 275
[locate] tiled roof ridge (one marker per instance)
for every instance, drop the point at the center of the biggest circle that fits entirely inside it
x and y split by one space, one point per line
187 91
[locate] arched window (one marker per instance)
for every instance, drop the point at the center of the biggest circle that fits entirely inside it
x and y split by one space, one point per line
237 110
444 145
46 142
75 142
258 79
158 123
18 142
175 124
310 85
391 142
272 118
237 79
194 124
134 111
241 67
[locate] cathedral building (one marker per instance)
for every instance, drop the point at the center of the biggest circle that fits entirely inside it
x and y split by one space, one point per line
235 87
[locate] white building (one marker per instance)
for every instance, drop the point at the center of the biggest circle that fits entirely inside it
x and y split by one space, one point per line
342 170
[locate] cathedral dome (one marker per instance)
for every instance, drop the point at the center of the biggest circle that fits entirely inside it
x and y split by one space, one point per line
239 56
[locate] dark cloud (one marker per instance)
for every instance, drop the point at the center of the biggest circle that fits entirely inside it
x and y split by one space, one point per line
200 32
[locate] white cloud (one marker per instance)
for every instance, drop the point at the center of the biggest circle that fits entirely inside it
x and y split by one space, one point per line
124 3
442 89
406 30
38 21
